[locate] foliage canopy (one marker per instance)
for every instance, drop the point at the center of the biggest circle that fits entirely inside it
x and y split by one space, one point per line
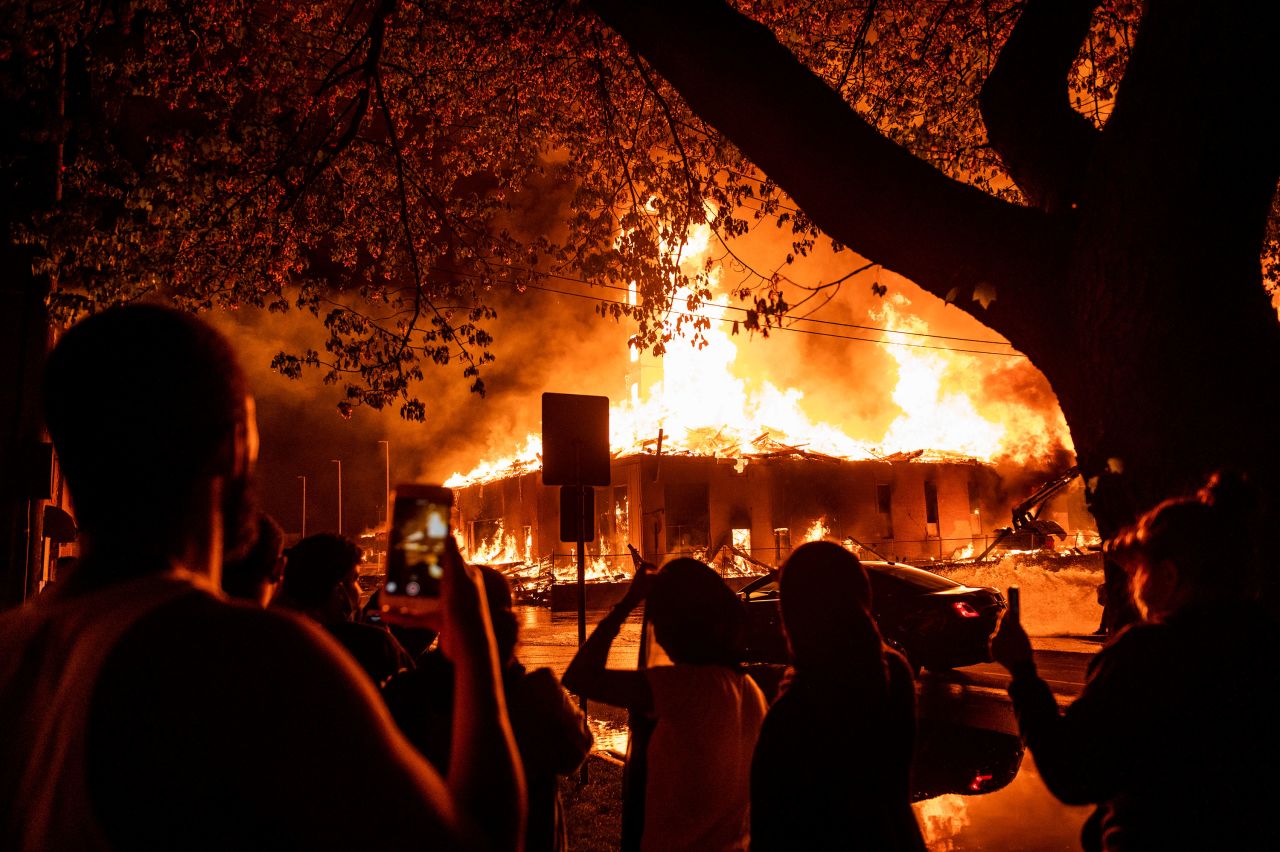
393 167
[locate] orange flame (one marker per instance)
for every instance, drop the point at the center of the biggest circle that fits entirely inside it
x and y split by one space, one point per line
703 407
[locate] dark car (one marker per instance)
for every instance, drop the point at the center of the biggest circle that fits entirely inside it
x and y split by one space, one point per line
937 623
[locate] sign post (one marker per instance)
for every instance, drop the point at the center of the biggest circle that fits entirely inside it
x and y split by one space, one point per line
575 456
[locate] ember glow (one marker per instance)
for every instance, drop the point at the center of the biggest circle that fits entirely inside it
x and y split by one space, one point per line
696 397
942 818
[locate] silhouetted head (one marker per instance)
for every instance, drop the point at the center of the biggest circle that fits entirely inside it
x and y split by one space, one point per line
826 602
147 407
322 578
1191 548
696 617
497 593
255 575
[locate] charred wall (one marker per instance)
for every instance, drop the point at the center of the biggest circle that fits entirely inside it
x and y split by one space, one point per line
909 510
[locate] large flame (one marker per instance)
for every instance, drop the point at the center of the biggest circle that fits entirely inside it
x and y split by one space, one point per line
693 395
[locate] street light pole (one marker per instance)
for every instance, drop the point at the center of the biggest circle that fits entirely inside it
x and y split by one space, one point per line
338 462
387 444
304 505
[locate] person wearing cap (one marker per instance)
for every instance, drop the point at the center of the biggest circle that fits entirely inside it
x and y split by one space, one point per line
1173 736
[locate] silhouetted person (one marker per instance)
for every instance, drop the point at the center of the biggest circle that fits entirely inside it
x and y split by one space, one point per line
707 712
322 583
832 768
141 710
256 575
414 639
551 731
1174 734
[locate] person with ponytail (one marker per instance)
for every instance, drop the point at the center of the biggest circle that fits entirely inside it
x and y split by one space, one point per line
832 765
1173 736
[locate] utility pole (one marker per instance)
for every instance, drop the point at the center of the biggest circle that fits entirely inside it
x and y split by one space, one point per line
338 462
387 444
304 505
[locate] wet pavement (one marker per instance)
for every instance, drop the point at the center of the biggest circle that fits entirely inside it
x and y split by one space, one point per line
975 786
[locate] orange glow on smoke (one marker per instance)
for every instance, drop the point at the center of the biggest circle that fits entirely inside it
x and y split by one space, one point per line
704 407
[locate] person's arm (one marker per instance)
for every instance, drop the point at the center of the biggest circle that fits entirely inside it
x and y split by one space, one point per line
1074 751
588 674
485 774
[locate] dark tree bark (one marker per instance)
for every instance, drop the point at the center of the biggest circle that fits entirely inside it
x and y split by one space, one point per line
1134 285
1045 144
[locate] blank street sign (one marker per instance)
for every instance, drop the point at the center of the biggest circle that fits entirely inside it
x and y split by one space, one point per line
575 439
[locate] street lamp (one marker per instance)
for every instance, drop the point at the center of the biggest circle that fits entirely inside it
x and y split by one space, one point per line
338 462
304 505
387 444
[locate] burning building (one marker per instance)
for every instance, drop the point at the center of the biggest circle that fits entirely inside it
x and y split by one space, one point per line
744 514
711 461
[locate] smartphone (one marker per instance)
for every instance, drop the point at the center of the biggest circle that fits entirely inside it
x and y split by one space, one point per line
636 559
416 546
1015 603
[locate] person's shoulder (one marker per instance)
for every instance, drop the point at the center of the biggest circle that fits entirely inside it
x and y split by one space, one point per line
684 675
366 635
200 614
1141 646
200 634
1136 638
709 682
539 681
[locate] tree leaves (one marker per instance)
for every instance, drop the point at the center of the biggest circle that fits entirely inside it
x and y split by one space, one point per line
397 169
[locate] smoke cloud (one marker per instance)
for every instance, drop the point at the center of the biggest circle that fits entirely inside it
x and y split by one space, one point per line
550 342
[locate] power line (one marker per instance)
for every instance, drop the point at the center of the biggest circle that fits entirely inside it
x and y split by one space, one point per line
786 328
837 323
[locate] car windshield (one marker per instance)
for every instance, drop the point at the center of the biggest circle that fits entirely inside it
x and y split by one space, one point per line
764 590
917 578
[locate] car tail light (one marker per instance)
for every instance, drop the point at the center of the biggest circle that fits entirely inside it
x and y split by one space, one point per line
964 609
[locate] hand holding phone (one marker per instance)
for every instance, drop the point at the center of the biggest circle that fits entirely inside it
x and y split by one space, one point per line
416 549
1010 646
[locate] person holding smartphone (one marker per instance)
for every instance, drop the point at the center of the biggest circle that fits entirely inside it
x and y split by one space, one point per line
551 731
142 710
1173 736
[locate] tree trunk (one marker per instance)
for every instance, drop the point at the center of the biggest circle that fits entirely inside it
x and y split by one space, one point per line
1142 303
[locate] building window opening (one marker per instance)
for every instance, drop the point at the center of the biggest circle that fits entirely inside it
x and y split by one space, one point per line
884 508
931 509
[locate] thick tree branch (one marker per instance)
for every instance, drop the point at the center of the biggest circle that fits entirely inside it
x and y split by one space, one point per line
860 188
1045 144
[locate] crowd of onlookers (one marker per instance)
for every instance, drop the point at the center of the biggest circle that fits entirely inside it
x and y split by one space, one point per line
192 684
